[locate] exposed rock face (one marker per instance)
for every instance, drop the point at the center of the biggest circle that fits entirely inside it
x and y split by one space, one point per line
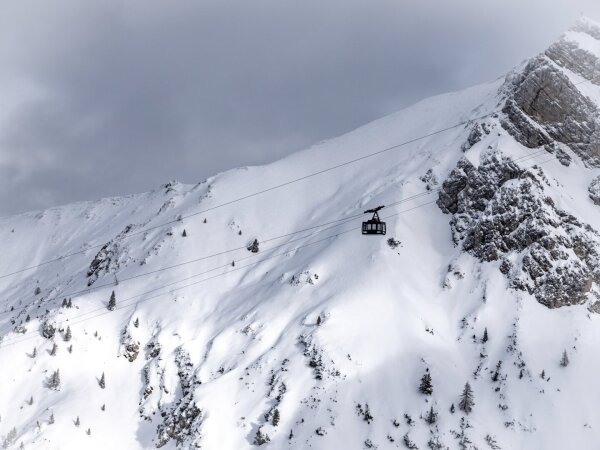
594 190
500 212
108 258
543 107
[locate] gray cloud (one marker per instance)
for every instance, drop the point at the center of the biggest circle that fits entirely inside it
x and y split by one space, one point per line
114 97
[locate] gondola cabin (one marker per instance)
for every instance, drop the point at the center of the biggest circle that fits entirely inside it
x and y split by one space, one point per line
375 225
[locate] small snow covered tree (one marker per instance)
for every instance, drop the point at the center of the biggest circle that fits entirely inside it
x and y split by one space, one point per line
51 419
30 401
10 438
102 382
466 402
431 416
184 234
426 386
112 303
261 438
68 334
136 322
54 349
564 361
70 348
485 336
69 303
54 381
103 407
34 353
77 422
88 431
276 417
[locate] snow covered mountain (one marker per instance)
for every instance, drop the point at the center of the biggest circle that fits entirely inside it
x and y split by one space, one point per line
324 338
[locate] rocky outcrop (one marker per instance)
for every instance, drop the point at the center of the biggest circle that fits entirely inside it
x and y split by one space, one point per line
594 190
500 213
543 107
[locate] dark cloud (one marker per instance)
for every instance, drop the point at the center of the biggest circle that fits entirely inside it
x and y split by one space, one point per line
113 97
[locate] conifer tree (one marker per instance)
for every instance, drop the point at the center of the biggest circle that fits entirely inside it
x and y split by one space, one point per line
291 435
68 334
37 291
431 417
276 417
240 232
184 234
34 353
77 422
136 322
70 348
54 381
204 220
426 387
70 303
88 431
485 336
103 407
112 303
452 409
319 321
102 381
51 419
564 361
64 303
28 318
54 349
30 401
466 402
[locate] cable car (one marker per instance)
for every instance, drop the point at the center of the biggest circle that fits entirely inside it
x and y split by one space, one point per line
375 225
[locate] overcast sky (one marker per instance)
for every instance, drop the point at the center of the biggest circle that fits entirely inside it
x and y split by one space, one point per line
114 97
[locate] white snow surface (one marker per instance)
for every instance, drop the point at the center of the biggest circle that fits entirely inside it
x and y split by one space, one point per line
386 315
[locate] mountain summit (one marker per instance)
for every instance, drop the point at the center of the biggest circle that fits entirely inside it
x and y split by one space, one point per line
248 310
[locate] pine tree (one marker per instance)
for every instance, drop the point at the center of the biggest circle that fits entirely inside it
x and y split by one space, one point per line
276 417
291 435
30 401
319 321
70 303
64 303
77 422
51 419
34 353
22 446
184 234
102 381
68 334
28 318
70 348
54 381
232 263
204 220
103 407
496 373
37 291
261 438
431 417
112 303
240 232
136 322
543 374
452 409
54 349
88 431
564 361
485 336
466 399
426 387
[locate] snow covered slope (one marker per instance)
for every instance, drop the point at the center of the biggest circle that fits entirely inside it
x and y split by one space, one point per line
320 339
